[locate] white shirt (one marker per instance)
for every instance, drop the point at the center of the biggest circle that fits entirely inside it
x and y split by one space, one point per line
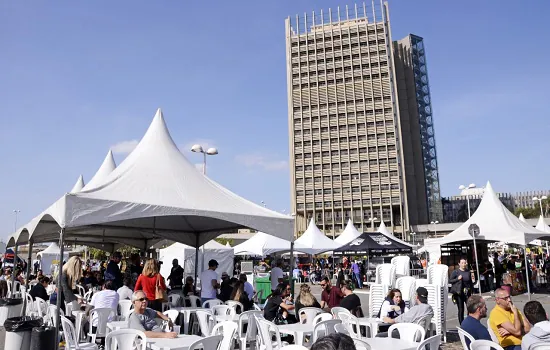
386 309
125 293
276 273
105 299
207 291
249 289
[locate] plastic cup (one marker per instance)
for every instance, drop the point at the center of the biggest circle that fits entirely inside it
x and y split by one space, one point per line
177 329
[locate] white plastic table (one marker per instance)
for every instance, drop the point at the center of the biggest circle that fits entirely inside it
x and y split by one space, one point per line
390 343
182 342
373 322
223 318
298 330
186 311
116 325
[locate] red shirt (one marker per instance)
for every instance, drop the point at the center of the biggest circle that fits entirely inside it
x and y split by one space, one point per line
332 298
148 285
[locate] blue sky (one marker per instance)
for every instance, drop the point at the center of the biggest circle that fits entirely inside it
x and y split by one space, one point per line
78 77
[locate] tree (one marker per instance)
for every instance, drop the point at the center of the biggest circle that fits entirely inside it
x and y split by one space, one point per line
530 213
224 241
97 254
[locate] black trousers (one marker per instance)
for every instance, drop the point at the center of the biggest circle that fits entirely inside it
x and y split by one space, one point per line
460 303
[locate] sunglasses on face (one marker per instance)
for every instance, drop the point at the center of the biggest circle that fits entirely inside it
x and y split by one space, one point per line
323 285
141 300
505 298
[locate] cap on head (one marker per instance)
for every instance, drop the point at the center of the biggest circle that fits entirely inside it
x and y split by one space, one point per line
213 263
422 294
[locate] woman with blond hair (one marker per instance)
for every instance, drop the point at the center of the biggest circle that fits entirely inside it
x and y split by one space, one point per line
148 281
70 276
305 299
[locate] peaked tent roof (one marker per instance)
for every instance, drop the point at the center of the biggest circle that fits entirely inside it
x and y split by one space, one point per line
155 193
372 243
313 241
349 234
262 244
495 222
53 248
384 230
79 185
522 218
101 174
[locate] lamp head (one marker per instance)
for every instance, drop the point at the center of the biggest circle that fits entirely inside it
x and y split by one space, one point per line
461 187
535 198
197 148
544 198
212 151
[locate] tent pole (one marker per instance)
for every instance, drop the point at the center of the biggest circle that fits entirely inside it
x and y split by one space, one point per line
291 268
14 270
527 272
196 257
477 265
29 264
58 285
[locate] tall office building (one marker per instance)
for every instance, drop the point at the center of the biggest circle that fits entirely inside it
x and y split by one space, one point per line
360 124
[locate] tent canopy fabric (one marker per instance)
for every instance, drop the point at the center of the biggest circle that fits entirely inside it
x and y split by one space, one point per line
373 244
262 244
384 230
495 222
154 194
349 234
49 258
313 241
79 185
102 173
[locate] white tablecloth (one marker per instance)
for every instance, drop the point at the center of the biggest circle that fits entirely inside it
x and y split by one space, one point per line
182 342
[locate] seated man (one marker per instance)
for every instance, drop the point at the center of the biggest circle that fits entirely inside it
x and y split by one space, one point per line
477 309
418 312
540 332
351 301
507 322
107 298
143 318
330 296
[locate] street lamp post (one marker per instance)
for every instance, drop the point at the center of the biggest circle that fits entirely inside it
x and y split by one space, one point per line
16 212
435 226
209 152
372 220
413 234
542 214
470 186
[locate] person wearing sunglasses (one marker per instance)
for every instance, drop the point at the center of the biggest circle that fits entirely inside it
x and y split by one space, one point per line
143 318
278 304
507 322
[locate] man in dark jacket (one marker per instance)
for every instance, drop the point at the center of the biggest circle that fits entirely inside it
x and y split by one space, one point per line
112 273
462 286
39 290
176 276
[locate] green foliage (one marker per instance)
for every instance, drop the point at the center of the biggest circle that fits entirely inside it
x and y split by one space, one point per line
225 240
530 213
97 254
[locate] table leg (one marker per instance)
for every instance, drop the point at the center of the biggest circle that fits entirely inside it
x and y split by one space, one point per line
186 318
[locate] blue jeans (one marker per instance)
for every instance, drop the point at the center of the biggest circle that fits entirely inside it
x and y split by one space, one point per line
513 347
358 279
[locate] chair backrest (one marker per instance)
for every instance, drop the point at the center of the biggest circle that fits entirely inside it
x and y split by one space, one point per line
208 343
337 310
432 343
341 328
408 331
81 290
425 322
265 330
249 318
325 316
69 333
227 329
307 314
220 310
29 305
172 315
174 300
102 315
385 274
212 302
233 304
192 301
125 307
324 328
206 321
402 265
540 346
293 347
463 336
88 295
407 286
41 307
492 334
126 339
361 344
257 298
438 274
482 344
350 321
51 318
378 293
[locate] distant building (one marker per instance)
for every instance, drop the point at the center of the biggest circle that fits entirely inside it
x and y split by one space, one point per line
525 199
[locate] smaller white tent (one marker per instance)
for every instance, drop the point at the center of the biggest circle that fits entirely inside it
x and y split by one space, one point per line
79 185
262 244
349 234
542 226
49 258
384 231
537 242
186 258
313 241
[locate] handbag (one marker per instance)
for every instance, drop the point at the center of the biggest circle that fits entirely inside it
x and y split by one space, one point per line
160 294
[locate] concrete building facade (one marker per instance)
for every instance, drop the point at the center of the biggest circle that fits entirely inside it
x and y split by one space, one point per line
361 135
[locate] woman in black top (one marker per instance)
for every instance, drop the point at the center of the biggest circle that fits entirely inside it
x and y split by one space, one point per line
462 286
276 309
39 290
240 295
351 301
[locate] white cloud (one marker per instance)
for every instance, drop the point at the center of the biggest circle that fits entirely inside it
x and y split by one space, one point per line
259 161
124 147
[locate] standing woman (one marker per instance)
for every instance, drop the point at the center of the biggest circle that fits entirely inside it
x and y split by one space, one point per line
70 276
147 282
462 286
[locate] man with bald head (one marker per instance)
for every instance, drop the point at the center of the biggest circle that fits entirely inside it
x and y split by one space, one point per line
507 322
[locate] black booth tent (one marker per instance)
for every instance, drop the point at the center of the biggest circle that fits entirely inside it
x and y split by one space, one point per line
373 243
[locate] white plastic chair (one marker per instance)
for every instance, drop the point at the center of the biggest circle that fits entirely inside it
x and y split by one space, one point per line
432 343
293 347
212 302
325 316
70 337
324 328
385 274
265 331
408 331
227 330
307 314
540 346
52 315
174 300
103 315
233 304
463 335
172 315
88 295
337 310
402 265
352 325
126 339
492 334
407 286
206 321
249 336
482 344
218 310
207 343
341 328
81 290
361 344
125 308
194 300
41 307
29 305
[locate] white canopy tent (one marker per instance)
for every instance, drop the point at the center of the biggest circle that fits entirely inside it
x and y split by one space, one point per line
313 241
262 244
101 174
384 231
542 226
186 258
349 234
49 258
79 185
